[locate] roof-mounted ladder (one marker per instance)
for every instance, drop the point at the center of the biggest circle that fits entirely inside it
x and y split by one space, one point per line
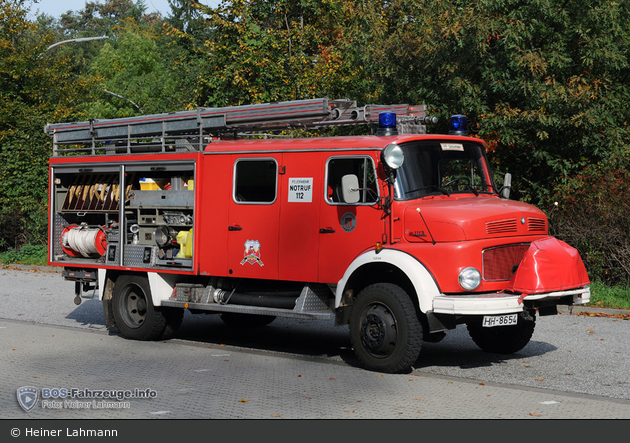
187 131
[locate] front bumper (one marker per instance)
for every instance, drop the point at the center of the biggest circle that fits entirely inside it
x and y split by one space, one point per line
505 303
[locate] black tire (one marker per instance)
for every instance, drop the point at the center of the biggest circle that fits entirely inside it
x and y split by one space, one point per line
504 339
174 318
133 309
385 331
246 321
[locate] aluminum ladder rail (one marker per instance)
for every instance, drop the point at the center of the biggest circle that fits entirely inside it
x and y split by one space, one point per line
192 130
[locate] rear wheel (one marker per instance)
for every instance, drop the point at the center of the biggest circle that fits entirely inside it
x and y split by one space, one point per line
504 339
133 309
385 332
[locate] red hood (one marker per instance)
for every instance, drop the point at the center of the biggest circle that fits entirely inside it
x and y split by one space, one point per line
457 218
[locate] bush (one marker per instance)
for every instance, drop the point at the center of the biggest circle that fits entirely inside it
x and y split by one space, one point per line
26 255
593 215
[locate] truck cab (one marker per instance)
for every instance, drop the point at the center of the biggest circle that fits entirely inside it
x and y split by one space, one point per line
400 236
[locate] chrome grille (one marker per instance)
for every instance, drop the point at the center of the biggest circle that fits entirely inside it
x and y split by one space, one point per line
500 261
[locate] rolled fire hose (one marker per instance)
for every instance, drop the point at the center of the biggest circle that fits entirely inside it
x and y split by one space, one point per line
85 241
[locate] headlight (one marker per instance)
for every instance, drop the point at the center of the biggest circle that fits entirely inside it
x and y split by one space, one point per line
392 155
469 279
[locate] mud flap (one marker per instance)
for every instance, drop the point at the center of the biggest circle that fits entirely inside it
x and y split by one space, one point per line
109 315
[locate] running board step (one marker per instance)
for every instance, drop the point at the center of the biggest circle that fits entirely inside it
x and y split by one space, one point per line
256 310
311 304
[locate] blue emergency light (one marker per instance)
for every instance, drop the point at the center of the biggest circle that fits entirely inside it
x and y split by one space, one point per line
459 125
387 124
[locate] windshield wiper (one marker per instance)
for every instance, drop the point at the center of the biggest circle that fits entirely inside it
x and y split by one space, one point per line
442 190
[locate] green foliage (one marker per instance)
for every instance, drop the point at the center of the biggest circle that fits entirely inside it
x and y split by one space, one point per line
34 89
603 296
265 51
135 72
26 255
593 215
545 82
103 18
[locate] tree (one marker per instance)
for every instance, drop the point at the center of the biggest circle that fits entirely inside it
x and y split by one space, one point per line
135 78
34 89
265 51
103 18
545 82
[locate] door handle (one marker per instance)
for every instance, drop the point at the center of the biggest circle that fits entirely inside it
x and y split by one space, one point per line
234 228
326 231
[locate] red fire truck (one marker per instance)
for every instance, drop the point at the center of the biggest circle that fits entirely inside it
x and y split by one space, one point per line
402 235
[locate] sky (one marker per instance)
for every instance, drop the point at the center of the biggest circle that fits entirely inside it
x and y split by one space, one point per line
58 7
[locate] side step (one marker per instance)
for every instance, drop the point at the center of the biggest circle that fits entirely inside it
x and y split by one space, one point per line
310 304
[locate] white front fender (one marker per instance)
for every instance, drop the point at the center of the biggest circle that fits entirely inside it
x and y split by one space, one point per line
421 279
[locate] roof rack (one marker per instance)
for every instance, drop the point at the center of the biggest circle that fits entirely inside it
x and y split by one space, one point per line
190 131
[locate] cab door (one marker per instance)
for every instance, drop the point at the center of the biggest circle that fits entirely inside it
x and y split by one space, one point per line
346 230
253 217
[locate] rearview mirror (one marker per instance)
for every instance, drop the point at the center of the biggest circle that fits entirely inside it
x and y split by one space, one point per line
350 188
504 192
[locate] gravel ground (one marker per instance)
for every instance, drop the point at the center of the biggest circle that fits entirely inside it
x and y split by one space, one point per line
568 353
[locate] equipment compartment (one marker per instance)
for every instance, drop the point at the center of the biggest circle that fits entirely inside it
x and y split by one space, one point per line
150 205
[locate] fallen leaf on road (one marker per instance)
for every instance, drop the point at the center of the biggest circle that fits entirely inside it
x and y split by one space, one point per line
242 400
539 379
535 415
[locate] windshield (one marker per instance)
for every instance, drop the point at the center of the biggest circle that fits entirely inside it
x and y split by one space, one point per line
442 167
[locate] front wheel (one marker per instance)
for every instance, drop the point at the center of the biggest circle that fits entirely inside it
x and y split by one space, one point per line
133 309
504 339
385 331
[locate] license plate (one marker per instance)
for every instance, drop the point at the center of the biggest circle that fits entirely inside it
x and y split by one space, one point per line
490 321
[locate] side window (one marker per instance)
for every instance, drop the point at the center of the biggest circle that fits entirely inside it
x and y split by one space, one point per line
255 181
360 167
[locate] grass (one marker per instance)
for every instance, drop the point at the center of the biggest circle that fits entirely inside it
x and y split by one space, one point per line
26 255
602 296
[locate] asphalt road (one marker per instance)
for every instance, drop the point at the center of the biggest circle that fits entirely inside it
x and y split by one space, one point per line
568 353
